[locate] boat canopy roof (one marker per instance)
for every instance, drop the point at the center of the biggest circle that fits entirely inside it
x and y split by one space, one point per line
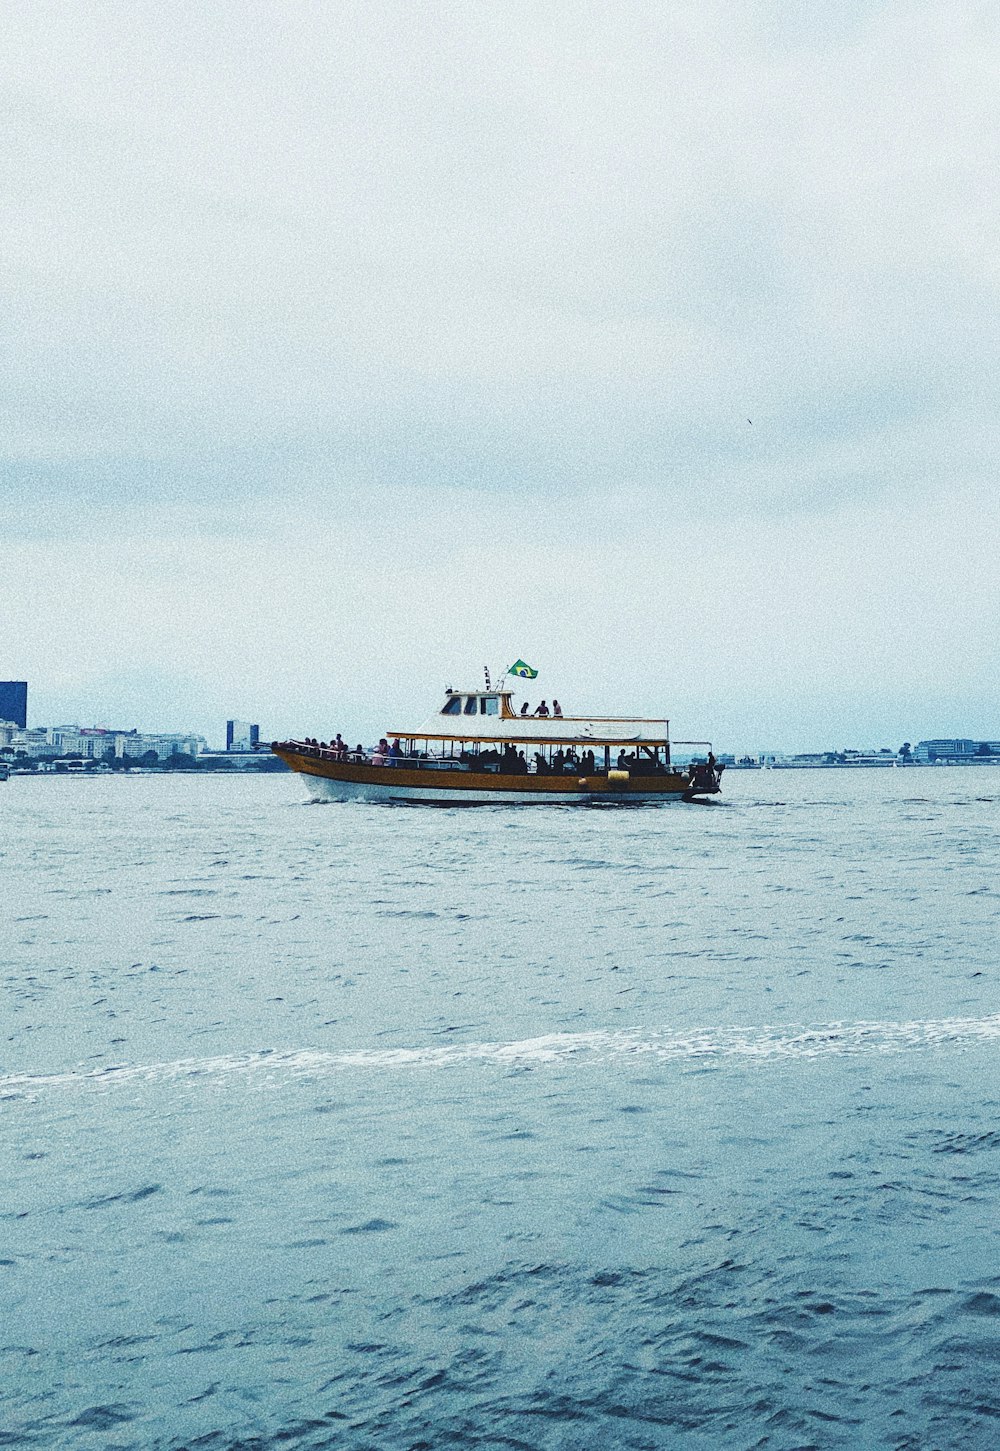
488 716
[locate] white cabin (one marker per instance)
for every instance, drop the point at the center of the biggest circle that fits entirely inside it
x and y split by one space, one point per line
489 716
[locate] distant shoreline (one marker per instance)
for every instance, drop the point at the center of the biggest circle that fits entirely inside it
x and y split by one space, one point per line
279 768
859 765
62 770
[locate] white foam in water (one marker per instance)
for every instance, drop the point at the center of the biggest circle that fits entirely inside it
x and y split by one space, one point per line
756 1044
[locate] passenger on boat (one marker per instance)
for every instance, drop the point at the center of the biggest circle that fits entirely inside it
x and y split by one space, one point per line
541 764
556 708
622 762
339 747
542 709
359 752
522 765
587 763
558 761
395 753
525 709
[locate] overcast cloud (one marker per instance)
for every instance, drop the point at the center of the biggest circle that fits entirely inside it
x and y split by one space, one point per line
349 346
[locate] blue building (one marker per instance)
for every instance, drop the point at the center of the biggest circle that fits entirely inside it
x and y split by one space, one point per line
241 735
14 702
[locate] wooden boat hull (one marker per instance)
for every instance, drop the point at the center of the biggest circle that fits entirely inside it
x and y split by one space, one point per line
329 780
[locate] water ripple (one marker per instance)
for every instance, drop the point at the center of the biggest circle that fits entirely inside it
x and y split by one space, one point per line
663 1044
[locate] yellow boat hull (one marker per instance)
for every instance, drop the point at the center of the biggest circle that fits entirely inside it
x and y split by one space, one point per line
332 780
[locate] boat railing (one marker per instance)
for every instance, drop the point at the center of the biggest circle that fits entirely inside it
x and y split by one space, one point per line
494 765
588 719
377 758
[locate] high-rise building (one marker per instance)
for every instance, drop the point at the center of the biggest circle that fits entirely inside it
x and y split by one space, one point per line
14 701
241 735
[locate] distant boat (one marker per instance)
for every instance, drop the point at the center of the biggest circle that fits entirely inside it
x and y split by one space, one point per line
4 771
478 750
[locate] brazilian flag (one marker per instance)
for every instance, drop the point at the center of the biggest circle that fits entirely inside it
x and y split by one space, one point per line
522 671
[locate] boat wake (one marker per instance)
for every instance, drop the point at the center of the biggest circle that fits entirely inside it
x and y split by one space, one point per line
704 1045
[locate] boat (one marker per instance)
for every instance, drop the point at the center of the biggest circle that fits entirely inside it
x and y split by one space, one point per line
4 771
478 750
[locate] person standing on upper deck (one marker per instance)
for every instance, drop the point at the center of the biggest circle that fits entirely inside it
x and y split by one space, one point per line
542 709
556 708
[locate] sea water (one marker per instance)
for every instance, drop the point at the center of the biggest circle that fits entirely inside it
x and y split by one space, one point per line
361 1126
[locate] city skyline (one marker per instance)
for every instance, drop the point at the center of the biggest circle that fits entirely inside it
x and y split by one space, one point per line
242 735
369 723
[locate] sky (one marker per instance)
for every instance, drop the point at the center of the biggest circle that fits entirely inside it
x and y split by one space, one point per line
346 348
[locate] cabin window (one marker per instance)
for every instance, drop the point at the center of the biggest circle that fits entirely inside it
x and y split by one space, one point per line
470 705
489 705
454 706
